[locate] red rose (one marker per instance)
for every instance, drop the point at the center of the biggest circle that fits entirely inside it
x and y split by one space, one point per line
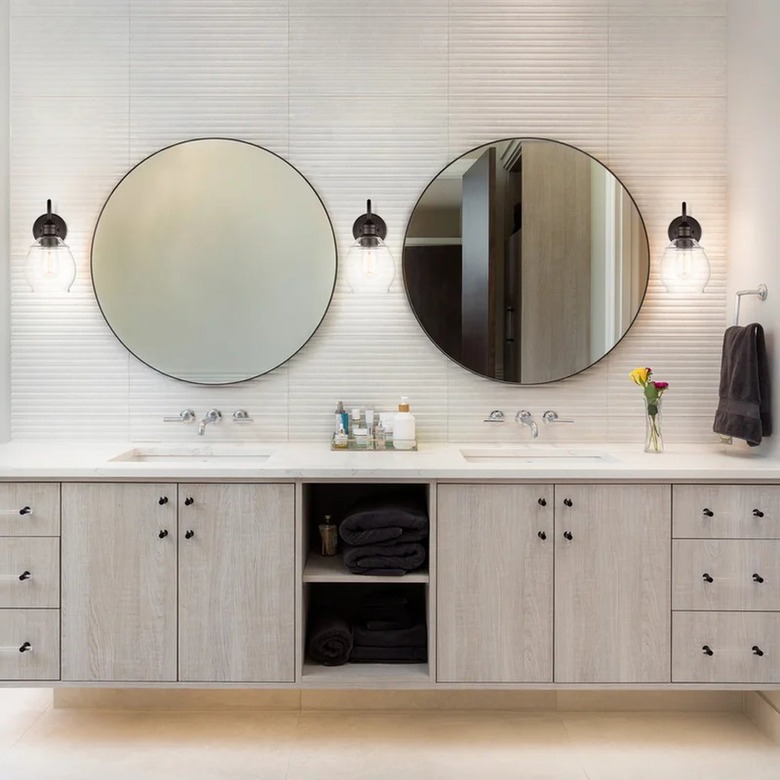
660 385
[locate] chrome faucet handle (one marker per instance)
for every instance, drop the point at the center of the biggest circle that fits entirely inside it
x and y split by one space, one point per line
525 417
496 416
185 416
551 417
242 416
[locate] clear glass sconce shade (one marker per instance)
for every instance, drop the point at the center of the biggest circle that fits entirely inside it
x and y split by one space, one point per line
50 266
370 267
685 267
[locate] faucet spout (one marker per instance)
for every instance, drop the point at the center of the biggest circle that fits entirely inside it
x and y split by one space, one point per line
526 418
213 416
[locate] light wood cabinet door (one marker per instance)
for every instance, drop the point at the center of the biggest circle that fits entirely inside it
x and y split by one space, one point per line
612 583
494 583
236 583
119 582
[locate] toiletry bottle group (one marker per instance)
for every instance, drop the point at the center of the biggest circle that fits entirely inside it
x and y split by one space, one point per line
362 429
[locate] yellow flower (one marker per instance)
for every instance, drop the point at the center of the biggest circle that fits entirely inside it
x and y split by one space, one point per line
640 376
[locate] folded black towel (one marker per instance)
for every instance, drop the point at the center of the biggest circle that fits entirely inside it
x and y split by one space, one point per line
744 397
416 636
330 640
389 655
382 521
394 560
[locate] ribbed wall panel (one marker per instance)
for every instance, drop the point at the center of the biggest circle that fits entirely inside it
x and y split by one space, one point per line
367 99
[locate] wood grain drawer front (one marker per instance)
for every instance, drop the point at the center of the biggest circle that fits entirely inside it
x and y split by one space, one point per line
29 572
726 512
731 574
726 647
29 509
29 644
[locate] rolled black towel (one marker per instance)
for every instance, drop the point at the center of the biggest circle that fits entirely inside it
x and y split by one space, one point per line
395 560
330 640
416 636
382 522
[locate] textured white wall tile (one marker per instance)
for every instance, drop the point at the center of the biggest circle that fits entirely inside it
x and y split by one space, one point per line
367 99
652 57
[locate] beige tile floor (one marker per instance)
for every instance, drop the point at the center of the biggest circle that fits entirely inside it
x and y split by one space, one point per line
38 742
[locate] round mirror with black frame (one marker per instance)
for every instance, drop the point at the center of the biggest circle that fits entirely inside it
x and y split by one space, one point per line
526 260
214 261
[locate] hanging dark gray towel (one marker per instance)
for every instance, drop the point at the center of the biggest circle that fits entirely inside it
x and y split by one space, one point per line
744 407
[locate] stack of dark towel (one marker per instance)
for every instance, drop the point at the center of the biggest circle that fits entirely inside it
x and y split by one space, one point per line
374 625
389 629
384 537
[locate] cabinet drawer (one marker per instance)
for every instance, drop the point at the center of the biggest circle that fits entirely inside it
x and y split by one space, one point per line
38 632
731 574
726 512
727 647
29 572
29 509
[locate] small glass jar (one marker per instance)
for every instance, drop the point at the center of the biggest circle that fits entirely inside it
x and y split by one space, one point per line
329 537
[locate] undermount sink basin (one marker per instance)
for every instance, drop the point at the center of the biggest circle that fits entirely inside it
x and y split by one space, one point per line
552 455
205 453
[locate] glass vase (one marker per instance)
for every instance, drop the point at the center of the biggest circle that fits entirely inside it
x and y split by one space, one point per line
654 437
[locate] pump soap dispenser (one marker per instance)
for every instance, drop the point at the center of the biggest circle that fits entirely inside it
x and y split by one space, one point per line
404 427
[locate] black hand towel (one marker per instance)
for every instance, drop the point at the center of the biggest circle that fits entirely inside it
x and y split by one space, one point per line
330 640
394 560
744 405
389 655
416 636
381 521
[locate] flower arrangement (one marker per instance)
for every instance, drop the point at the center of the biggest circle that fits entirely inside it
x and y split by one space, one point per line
652 391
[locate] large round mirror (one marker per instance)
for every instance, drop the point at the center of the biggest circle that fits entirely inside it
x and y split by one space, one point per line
213 261
526 260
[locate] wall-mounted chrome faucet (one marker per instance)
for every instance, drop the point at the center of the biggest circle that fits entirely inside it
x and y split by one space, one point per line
184 416
526 418
213 416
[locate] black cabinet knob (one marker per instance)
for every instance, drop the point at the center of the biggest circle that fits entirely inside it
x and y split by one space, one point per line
568 502
25 575
706 577
189 501
25 510
163 500
542 502
542 535
707 650
757 578
757 650
568 535
707 512
25 647
757 513
189 534
163 534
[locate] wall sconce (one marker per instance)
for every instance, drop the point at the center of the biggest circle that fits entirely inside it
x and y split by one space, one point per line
50 266
369 263
684 265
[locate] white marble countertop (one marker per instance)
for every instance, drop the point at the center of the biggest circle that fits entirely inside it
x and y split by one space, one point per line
41 460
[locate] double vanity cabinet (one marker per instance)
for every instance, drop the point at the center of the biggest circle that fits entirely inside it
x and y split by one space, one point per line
528 584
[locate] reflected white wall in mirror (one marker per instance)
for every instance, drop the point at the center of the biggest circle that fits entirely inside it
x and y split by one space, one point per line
214 261
526 260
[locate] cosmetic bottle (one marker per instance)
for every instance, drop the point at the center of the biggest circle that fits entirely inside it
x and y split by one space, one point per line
342 418
340 439
380 439
329 537
404 428
356 420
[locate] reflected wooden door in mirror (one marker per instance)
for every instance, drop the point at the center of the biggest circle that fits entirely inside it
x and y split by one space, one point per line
526 260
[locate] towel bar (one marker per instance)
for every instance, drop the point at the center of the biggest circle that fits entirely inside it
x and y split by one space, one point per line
761 291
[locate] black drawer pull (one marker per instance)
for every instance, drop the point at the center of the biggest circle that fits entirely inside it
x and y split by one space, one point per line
707 650
25 510
707 512
568 535
163 500
757 513
706 577
757 578
568 502
25 575
26 647
542 502
757 650
163 534
542 535
189 501
189 534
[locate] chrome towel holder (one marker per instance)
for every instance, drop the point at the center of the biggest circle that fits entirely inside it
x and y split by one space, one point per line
761 292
